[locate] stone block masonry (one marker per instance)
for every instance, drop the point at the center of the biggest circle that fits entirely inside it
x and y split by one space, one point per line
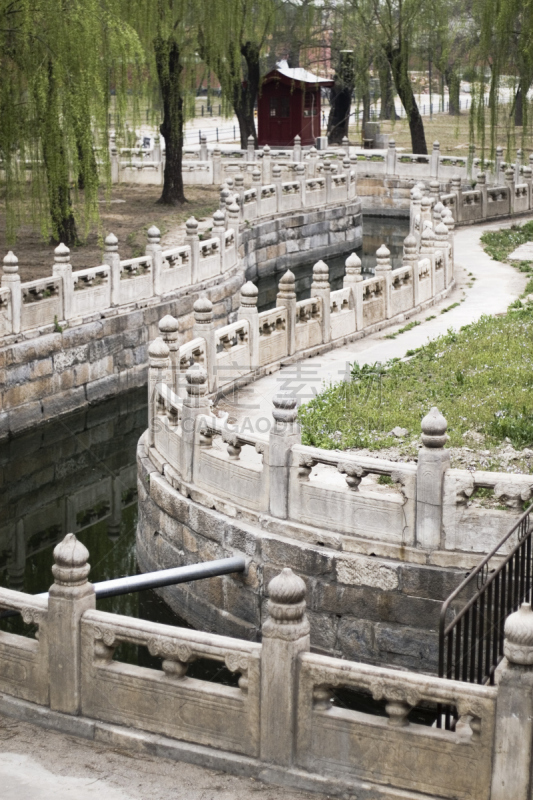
80 337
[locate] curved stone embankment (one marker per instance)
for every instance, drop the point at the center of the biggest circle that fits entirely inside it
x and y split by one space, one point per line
362 605
45 373
378 561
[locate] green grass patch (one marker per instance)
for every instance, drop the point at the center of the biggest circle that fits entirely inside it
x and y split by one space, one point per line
408 327
500 244
481 378
449 308
385 480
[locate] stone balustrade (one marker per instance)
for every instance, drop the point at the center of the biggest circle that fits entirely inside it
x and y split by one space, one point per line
280 721
73 297
425 506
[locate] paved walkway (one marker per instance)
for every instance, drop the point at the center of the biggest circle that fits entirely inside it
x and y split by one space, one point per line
38 764
496 285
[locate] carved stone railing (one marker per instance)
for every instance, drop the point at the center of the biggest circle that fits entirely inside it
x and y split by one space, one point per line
284 718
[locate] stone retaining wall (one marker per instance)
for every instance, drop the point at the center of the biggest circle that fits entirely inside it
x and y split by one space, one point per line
361 606
54 373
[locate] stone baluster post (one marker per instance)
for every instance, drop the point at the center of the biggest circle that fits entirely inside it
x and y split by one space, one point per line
287 297
217 165
276 180
225 194
470 161
297 149
518 164
239 190
195 406
346 166
158 368
434 190
285 635
69 597
250 151
457 190
11 281
345 144
112 259
426 212
233 219
300 177
434 161
447 218
257 183
63 269
248 310
204 327
353 280
442 244
320 288
498 178
219 230
527 174
391 158
267 165
191 238
513 737
410 259
509 182
169 330
481 186
203 147
438 208
384 267
427 250
433 461
328 175
312 162
415 211
114 158
154 249
283 435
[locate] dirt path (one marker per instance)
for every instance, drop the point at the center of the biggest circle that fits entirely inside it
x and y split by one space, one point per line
130 211
39 764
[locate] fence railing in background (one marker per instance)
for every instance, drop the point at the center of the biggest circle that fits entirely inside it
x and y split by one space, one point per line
471 643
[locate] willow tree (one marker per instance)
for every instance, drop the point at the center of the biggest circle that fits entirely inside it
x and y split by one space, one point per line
506 49
61 58
236 59
395 27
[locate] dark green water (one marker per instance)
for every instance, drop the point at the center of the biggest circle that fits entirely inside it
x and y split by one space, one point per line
376 231
79 475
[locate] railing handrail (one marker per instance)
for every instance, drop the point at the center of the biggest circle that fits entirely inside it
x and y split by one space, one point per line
479 570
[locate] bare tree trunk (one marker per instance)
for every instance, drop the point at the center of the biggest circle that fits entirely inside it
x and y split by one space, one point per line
453 83
57 169
341 98
169 69
399 61
519 107
245 96
386 89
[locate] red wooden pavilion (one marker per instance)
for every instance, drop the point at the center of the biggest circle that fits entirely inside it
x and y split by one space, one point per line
289 106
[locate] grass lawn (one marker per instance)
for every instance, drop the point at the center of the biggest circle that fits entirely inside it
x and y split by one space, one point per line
481 379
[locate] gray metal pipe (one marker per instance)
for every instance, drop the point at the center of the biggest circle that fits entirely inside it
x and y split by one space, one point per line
163 577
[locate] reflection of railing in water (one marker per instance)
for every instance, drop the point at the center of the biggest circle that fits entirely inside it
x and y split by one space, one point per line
471 644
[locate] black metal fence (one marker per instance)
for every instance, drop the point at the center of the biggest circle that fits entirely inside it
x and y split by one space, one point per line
473 616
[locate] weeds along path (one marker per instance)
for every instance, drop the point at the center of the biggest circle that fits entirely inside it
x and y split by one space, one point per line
483 286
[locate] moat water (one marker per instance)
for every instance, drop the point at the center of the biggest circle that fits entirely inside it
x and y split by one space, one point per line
376 231
78 475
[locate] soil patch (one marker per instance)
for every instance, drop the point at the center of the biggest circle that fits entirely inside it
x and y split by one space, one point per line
128 213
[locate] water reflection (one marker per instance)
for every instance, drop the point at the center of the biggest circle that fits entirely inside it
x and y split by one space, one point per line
376 231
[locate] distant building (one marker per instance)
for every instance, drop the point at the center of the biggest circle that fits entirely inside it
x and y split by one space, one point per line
289 106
